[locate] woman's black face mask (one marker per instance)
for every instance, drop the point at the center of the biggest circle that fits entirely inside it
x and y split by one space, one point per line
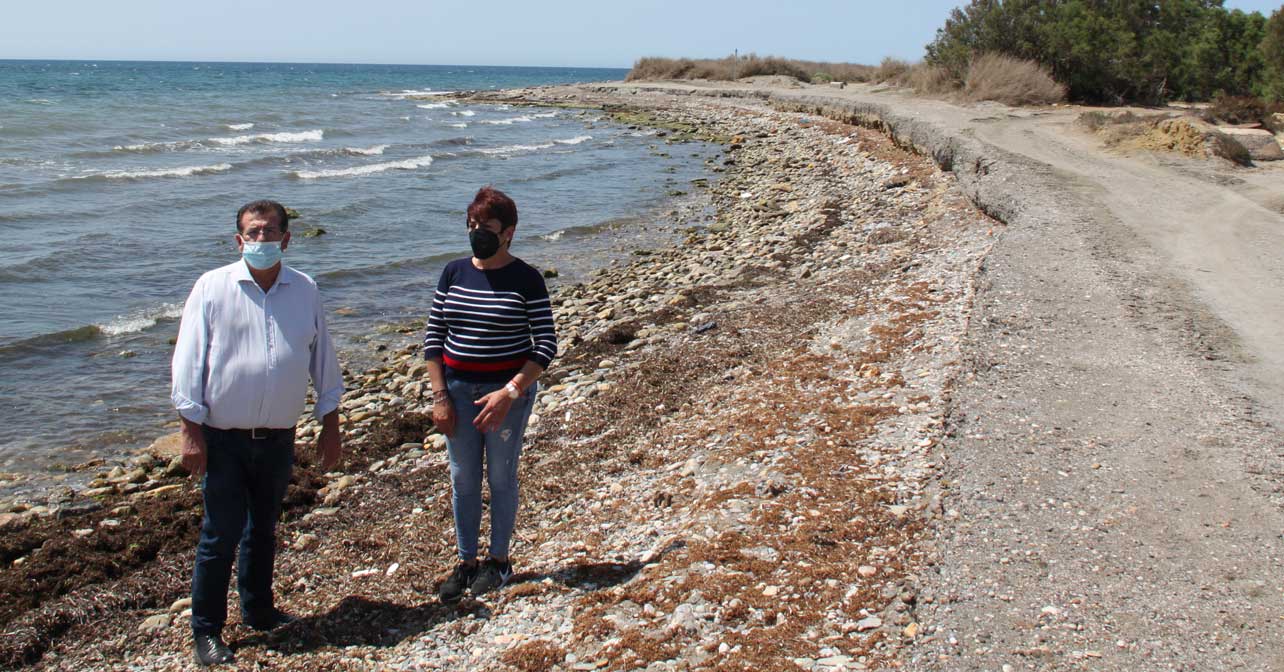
484 243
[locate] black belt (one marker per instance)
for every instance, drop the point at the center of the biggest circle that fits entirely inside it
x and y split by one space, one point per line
258 433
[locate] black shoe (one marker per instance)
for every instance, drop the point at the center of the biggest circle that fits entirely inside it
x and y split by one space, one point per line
453 587
277 619
493 574
210 650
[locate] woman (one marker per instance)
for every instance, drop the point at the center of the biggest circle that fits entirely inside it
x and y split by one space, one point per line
490 336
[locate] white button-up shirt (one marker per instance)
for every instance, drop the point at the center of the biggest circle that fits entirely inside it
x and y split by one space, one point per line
243 356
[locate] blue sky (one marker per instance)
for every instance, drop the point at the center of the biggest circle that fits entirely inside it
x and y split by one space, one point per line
496 32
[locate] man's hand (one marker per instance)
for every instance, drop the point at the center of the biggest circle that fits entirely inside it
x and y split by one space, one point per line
496 405
194 455
330 443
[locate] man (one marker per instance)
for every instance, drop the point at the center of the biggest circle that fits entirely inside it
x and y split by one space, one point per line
252 333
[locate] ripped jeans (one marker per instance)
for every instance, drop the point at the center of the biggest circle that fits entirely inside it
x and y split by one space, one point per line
501 449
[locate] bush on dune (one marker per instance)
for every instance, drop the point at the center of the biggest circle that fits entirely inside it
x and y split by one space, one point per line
1012 81
751 65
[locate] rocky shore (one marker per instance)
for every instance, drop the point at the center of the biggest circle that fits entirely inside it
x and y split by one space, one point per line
729 466
848 420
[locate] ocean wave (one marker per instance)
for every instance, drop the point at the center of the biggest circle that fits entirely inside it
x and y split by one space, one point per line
185 171
405 164
417 263
567 172
463 113
177 145
506 122
301 136
544 115
141 320
514 149
575 140
152 147
239 127
462 124
131 323
88 332
433 106
39 101
412 94
591 229
368 151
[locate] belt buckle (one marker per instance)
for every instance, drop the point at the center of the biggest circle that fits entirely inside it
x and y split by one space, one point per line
254 433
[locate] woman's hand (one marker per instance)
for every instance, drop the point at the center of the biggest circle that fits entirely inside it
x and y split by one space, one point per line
496 408
443 416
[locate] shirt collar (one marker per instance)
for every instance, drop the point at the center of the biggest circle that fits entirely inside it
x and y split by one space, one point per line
241 272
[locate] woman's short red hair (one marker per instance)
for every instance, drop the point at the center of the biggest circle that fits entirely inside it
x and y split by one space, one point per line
491 203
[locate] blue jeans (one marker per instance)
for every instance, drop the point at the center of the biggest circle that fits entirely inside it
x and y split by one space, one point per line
245 481
501 448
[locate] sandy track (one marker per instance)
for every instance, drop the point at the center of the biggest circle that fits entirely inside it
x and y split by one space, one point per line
1113 462
1116 496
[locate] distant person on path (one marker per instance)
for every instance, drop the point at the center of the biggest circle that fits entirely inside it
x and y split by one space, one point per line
490 335
253 332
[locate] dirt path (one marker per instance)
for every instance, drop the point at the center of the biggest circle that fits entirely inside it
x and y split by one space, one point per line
1212 230
1116 500
1114 473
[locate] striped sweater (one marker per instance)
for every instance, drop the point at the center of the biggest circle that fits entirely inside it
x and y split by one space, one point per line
485 325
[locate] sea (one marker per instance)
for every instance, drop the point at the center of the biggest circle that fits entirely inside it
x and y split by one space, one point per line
119 183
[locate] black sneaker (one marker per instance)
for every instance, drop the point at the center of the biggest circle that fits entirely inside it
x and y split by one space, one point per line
272 621
493 574
453 587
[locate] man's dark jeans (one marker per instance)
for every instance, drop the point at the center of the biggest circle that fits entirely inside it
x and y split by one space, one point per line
245 481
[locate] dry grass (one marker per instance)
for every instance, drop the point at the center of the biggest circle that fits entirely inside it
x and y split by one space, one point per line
891 70
1012 81
928 80
752 65
990 77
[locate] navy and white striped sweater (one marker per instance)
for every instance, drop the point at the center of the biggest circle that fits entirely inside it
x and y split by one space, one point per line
485 325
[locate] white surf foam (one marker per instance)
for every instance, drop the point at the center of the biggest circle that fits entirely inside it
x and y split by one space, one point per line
186 171
405 164
514 149
239 127
412 93
575 140
368 151
506 122
544 115
302 136
464 113
462 124
433 106
154 146
141 320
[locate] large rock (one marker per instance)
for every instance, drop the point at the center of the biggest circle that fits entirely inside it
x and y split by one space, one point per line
1260 143
166 447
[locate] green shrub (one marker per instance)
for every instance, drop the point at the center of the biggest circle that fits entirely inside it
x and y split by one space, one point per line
1117 51
1271 84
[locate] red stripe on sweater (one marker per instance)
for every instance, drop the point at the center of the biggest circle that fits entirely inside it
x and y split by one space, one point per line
483 366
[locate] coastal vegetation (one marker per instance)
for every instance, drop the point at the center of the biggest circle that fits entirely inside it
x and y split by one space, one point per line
1126 51
1044 51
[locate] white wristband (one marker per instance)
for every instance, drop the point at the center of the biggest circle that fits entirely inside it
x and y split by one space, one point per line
513 392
